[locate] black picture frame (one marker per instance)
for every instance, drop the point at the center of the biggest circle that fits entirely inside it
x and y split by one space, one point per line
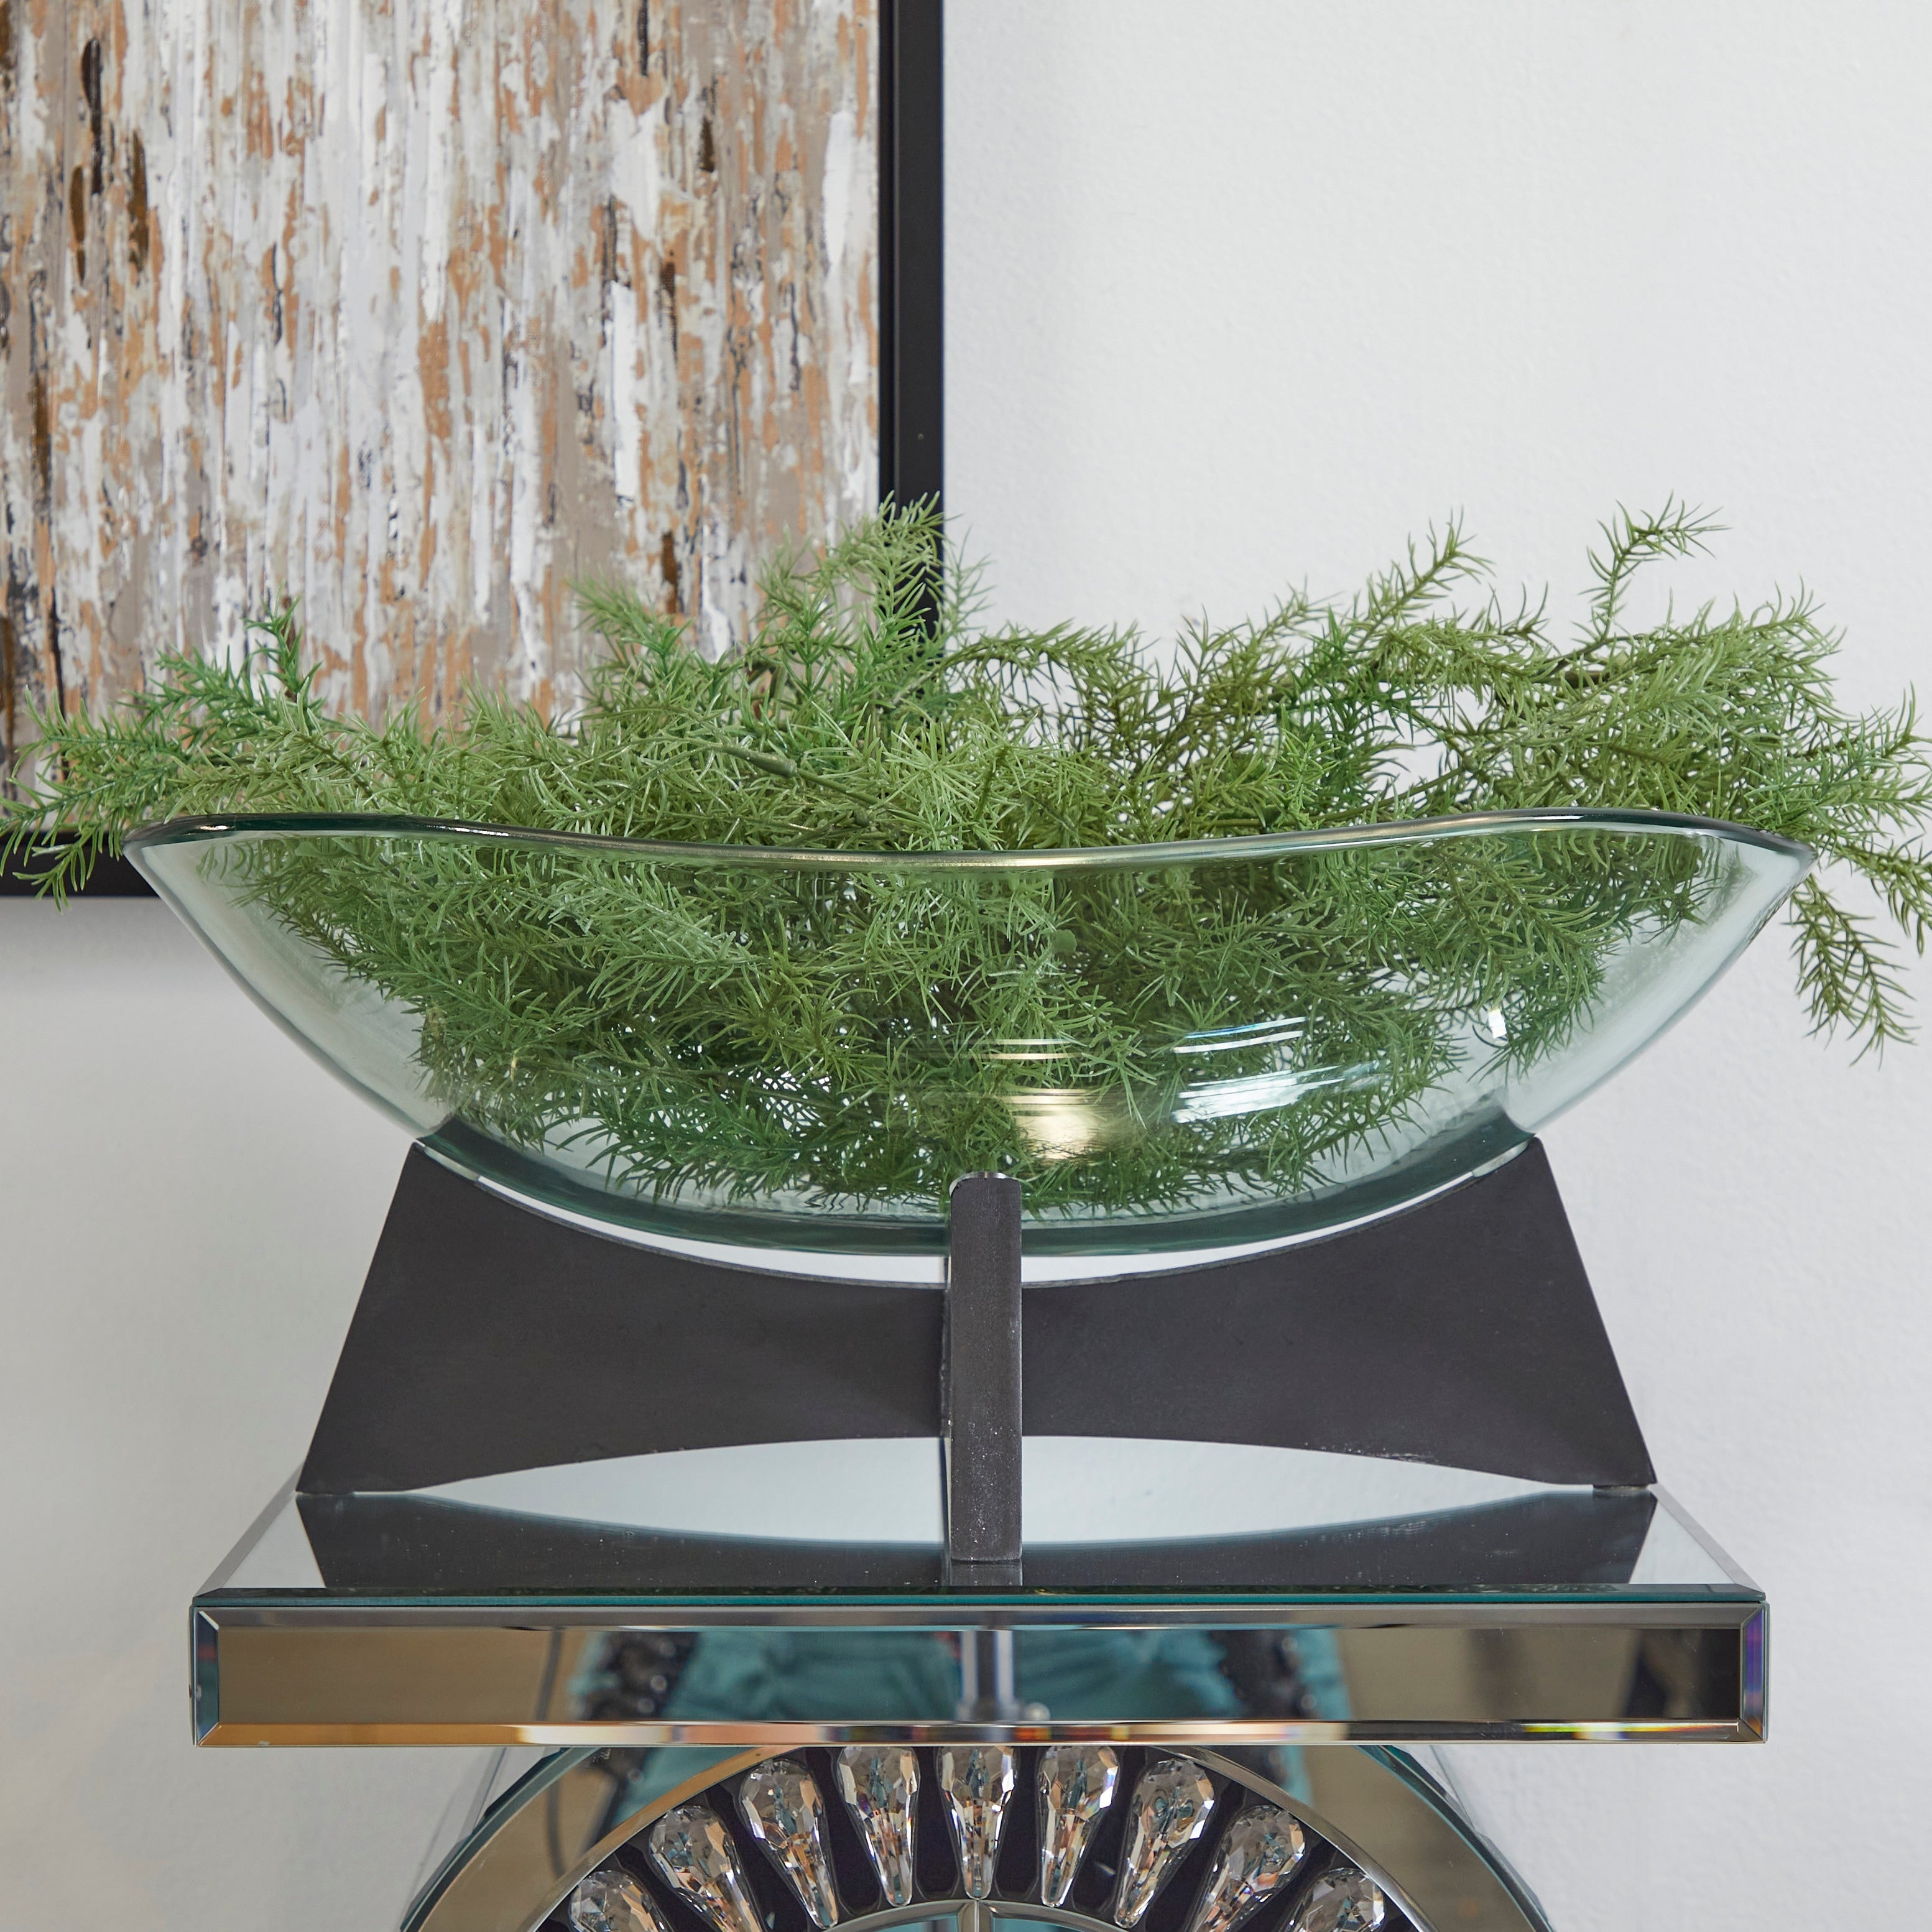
109 879
912 251
912 311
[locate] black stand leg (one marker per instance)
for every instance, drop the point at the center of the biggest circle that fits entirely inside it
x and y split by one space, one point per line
980 1383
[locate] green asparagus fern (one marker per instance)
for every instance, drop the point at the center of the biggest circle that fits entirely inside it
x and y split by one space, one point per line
857 717
740 1030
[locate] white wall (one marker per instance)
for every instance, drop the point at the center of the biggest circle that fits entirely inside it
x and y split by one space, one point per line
187 1204
1240 296
1232 303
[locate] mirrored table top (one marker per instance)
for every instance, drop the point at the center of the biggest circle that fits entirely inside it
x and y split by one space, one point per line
797 1591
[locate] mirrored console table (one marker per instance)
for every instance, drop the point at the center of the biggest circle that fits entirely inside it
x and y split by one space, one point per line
776 1603
1442 1604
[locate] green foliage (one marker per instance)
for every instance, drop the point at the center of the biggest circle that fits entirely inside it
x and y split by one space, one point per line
733 1028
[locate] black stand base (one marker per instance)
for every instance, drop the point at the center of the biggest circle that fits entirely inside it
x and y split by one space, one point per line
980 1385
1462 1331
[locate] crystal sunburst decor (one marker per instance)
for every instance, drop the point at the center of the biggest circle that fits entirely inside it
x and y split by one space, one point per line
1255 1862
977 1782
694 1851
1076 1786
879 1783
1169 1811
786 1815
1261 1851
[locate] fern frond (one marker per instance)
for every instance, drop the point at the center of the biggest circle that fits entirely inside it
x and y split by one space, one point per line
869 707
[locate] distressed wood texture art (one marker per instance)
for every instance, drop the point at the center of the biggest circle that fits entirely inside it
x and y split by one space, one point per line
419 311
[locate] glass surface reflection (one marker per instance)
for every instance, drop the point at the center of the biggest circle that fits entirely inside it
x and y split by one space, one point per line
1277 1520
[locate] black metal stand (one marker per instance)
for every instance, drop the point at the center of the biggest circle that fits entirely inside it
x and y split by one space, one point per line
979 1398
489 1339
1461 1331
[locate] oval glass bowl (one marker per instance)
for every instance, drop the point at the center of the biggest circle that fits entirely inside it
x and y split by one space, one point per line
1173 1046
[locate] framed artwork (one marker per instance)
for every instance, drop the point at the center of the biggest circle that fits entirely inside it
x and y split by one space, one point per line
422 310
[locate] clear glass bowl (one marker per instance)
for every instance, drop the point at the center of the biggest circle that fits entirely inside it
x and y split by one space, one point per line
1175 1046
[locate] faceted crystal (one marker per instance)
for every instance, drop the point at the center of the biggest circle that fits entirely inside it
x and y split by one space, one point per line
1167 1812
612 1900
879 1783
1076 1785
782 1807
977 1783
1262 1849
692 1849
1342 1899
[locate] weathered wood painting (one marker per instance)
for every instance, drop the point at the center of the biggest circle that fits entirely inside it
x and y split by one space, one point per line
419 310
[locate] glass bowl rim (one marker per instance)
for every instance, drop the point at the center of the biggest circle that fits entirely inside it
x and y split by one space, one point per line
208 829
